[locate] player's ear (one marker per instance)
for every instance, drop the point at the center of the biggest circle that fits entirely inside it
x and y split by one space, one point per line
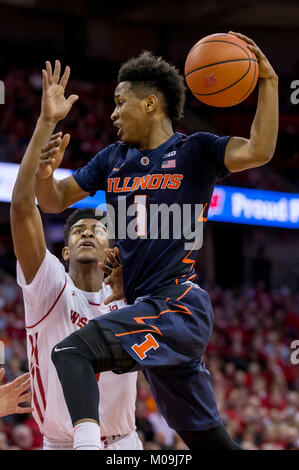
151 103
65 253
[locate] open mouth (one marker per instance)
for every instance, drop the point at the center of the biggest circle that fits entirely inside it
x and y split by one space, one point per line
87 245
119 128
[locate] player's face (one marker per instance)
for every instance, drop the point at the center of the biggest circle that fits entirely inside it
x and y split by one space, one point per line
129 115
87 241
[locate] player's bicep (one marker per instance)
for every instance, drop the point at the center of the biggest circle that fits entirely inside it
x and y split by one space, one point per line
29 241
71 191
238 156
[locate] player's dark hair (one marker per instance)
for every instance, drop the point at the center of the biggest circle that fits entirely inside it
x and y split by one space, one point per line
79 214
154 73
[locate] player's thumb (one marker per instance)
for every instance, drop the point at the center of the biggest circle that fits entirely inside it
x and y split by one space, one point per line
59 155
64 143
71 99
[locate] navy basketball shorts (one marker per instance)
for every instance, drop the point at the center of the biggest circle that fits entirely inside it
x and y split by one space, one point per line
166 334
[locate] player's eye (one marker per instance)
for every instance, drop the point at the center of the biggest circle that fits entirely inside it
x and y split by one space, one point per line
78 231
100 231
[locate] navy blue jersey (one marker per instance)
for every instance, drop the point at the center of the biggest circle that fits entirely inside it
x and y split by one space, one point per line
182 171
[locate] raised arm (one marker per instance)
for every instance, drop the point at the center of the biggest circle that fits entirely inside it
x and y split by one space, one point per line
55 196
26 224
241 153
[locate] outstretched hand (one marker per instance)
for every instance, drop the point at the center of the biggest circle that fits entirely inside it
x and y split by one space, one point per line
55 106
13 394
114 273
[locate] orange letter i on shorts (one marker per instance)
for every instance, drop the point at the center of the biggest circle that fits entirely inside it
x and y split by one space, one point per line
142 348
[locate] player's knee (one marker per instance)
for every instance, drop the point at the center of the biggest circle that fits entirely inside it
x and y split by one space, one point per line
64 351
59 354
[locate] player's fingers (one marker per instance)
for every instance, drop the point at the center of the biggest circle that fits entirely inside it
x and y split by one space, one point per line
242 36
2 373
24 397
49 154
25 378
49 72
105 268
46 154
21 410
22 379
54 147
24 387
57 70
51 144
256 51
65 77
45 80
111 258
117 255
54 136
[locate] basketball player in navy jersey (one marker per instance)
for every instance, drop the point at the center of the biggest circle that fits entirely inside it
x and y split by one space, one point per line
166 329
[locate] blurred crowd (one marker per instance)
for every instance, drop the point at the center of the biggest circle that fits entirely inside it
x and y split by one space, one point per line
91 129
256 385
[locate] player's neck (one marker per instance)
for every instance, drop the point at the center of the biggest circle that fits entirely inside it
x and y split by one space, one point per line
87 277
160 131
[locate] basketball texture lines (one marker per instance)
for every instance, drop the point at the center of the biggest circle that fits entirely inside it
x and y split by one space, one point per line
221 71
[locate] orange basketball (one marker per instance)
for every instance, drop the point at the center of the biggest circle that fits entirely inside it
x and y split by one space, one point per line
221 71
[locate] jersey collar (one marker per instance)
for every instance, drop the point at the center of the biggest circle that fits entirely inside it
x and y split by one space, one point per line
133 152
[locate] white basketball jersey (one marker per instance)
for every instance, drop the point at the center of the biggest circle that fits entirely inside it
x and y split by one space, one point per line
54 308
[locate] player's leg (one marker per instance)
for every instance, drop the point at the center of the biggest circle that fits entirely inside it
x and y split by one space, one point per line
186 399
77 359
210 439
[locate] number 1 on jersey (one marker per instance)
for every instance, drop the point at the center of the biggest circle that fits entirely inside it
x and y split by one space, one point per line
140 202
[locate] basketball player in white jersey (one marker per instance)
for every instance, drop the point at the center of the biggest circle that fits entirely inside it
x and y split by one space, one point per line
58 303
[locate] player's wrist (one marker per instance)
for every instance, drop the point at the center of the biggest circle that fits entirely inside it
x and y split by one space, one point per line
46 121
270 78
40 175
